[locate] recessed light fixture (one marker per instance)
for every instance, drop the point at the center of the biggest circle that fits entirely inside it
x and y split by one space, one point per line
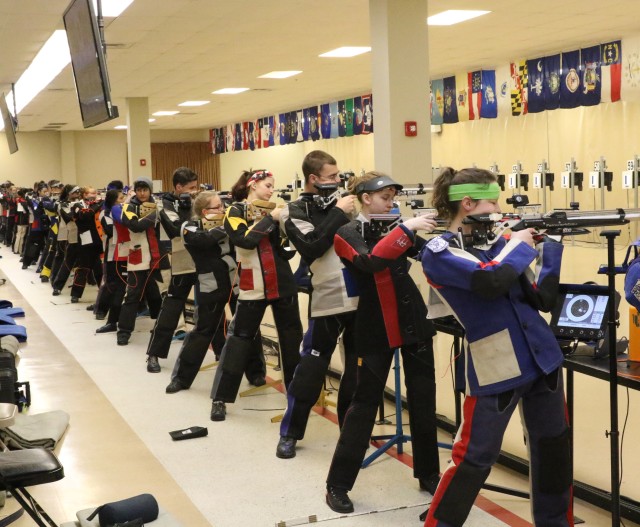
152 120
454 16
346 51
279 74
165 112
194 103
229 91
120 127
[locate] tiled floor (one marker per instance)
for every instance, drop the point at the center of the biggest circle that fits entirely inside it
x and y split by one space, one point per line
118 445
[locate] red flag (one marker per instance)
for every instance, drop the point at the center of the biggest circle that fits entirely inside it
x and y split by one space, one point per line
611 71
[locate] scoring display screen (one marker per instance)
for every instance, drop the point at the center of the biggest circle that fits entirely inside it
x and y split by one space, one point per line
581 312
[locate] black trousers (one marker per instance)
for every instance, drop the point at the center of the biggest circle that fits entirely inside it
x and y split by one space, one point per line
11 226
419 377
88 260
33 247
69 262
172 307
238 351
112 290
139 284
48 254
318 345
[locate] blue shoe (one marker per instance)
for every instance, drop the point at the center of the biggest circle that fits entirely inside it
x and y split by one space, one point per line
143 313
179 335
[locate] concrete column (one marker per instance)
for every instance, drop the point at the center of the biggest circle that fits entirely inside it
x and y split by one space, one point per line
68 171
400 85
138 138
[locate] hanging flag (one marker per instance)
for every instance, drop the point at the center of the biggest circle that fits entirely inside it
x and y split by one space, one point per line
305 124
611 71
519 85
590 75
245 135
475 94
367 114
314 130
450 109
231 137
333 108
257 133
630 82
358 117
570 80
503 89
535 74
282 129
212 140
462 96
252 140
292 127
342 119
437 101
266 132
238 136
273 130
551 84
489 104
348 104
325 123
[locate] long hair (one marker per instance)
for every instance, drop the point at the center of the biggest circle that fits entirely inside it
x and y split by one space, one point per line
440 199
239 191
201 201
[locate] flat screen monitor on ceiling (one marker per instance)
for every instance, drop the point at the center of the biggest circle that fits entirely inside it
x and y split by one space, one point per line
88 64
9 125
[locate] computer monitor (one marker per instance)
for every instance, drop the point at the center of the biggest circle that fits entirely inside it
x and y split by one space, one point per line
581 312
88 64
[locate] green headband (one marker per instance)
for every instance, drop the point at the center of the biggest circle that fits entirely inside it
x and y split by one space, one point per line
474 191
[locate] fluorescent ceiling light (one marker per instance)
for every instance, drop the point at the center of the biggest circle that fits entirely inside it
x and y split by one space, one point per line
346 51
194 103
152 120
454 16
279 74
112 8
120 127
229 91
165 112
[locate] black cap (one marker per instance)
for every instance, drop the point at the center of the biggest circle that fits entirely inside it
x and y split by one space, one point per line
377 183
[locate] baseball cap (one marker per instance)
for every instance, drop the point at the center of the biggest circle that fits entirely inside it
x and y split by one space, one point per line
377 183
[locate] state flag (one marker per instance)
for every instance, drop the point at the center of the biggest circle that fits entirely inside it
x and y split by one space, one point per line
238 136
282 129
212 140
314 129
231 137
519 88
630 83
475 94
333 109
552 82
252 141
611 71
462 96
535 71
349 117
325 121
450 108
305 124
570 79
292 127
257 133
358 117
503 89
367 114
222 143
273 130
342 119
436 102
489 105
590 75
245 135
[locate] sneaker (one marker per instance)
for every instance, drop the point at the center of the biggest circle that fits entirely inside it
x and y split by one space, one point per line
153 366
74 299
338 500
218 411
430 484
123 339
56 292
108 328
286 448
175 386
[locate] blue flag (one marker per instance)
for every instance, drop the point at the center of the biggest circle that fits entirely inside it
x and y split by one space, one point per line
342 119
272 130
314 130
325 121
535 69
570 80
591 87
450 109
282 129
358 116
333 108
552 82
489 107
252 142
437 101
305 124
